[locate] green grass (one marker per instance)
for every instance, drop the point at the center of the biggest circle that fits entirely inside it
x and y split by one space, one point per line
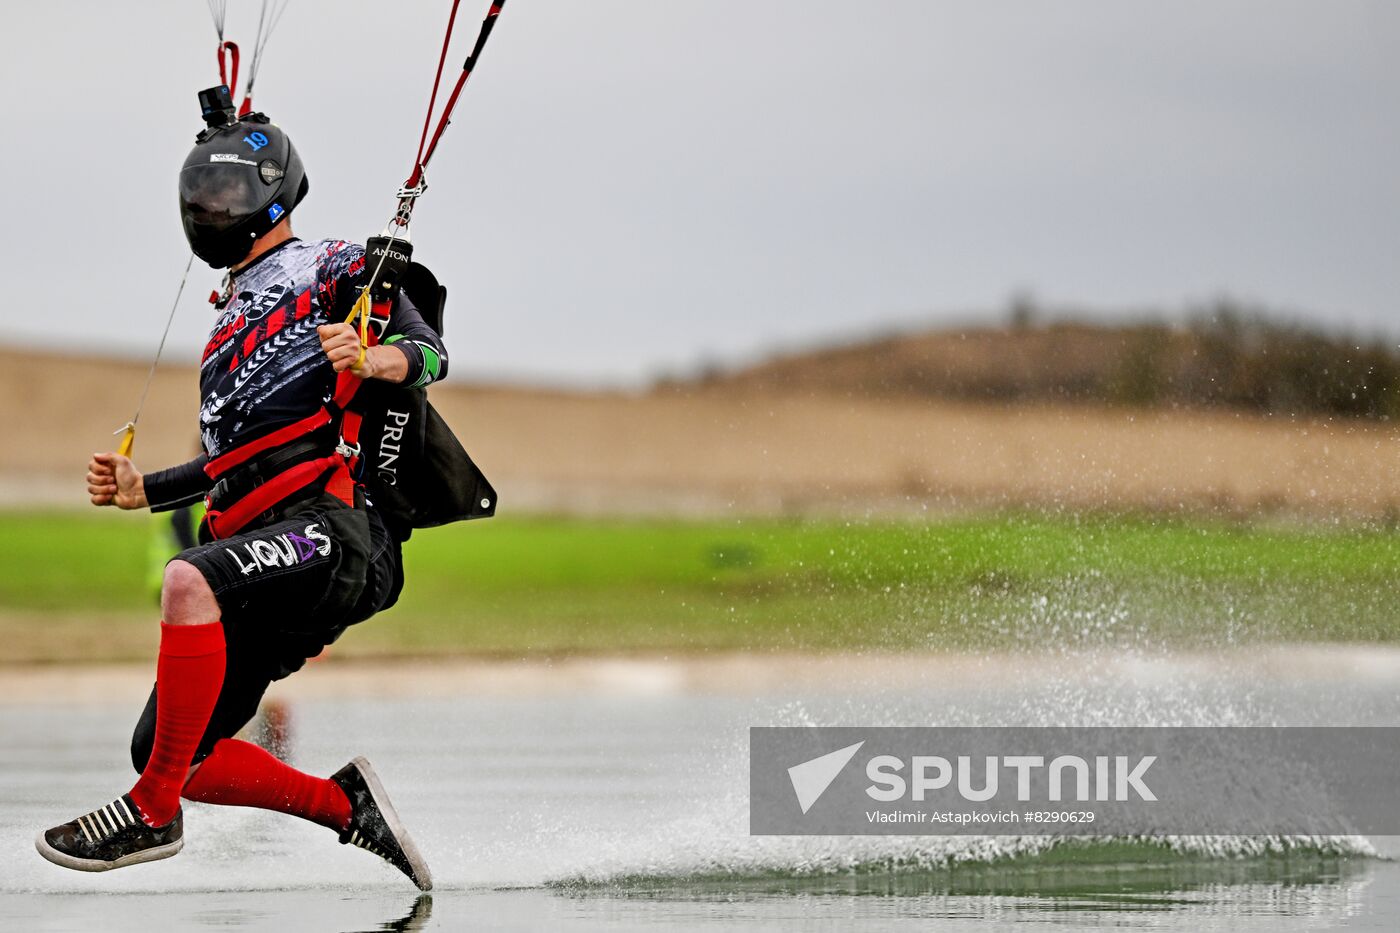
74 585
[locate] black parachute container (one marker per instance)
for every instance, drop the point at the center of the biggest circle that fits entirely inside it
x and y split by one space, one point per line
414 469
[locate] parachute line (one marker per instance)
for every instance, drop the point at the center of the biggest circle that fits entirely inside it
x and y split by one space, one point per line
218 9
267 23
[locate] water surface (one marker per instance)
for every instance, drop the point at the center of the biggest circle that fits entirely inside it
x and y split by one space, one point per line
598 809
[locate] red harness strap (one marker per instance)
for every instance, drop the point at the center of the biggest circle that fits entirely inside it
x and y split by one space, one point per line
288 483
241 455
342 483
231 520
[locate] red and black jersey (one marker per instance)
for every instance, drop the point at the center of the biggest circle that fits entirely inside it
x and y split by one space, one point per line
263 366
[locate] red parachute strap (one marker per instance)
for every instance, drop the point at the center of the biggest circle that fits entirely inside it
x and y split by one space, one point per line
347 384
426 144
417 175
247 106
437 80
227 54
341 484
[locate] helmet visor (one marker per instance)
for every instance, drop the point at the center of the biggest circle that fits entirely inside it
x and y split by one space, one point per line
217 196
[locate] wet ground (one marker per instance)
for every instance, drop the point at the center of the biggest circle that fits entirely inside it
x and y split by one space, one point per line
626 807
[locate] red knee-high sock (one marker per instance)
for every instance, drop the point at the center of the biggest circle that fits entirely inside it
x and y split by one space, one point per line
240 774
189 674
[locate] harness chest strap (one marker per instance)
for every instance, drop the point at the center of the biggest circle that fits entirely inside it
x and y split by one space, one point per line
217 467
231 520
342 464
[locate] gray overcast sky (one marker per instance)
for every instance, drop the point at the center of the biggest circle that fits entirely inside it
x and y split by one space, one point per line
632 185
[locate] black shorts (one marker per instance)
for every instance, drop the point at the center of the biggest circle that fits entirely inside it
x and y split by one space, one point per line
285 592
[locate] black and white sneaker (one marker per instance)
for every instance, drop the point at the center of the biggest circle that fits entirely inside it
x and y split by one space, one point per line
374 824
113 836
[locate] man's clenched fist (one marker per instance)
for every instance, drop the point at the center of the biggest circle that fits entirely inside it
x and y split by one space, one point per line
341 342
113 480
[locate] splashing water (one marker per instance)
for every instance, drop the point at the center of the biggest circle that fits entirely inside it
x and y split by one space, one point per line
650 786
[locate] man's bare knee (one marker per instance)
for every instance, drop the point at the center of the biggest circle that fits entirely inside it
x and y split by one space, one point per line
185 596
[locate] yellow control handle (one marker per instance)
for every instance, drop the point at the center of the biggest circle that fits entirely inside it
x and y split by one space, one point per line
128 434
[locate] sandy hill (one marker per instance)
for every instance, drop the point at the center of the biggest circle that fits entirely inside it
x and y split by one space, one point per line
742 447
1223 362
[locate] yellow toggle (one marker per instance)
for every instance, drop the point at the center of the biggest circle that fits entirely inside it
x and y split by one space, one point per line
128 434
361 310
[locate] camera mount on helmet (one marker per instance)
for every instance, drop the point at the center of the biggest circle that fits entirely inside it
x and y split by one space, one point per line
240 180
216 105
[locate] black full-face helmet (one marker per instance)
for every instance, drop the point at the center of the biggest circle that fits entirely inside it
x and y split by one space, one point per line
239 181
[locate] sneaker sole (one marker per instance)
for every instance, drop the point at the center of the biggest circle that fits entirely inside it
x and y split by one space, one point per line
154 854
423 877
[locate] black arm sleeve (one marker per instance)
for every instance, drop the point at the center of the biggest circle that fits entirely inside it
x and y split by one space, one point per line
427 357
178 486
